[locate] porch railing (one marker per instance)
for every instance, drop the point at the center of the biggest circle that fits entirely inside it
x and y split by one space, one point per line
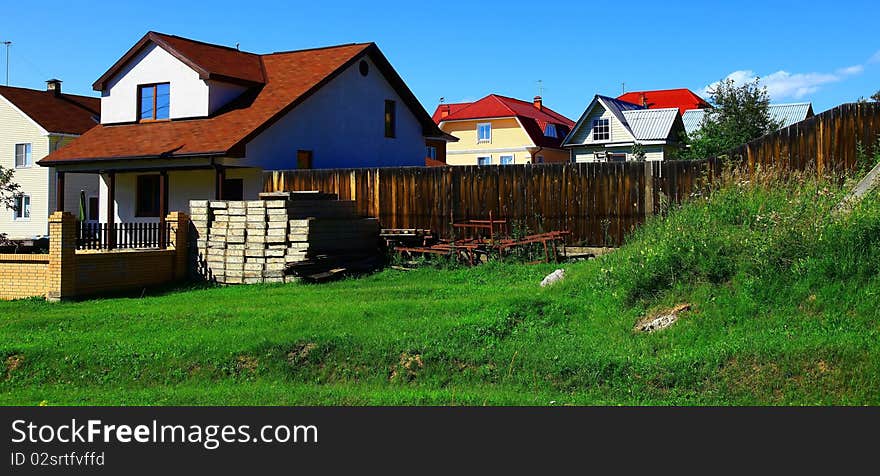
104 236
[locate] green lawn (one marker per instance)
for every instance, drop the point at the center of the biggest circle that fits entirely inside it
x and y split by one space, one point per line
785 312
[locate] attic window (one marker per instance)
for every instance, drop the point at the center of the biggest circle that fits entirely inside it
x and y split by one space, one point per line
550 130
154 102
601 129
364 68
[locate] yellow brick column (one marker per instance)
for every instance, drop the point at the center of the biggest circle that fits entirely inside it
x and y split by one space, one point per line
62 256
179 241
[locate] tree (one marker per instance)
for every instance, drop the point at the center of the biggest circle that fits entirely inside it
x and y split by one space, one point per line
8 191
876 97
739 114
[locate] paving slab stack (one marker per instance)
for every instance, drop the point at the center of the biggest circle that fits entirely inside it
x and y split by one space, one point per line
246 242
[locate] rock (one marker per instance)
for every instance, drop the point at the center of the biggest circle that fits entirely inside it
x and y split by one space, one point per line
553 277
661 320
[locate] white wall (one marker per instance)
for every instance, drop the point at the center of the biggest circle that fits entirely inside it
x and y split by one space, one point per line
189 93
219 94
586 153
343 124
183 186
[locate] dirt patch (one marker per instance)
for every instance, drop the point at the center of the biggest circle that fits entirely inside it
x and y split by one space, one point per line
13 362
300 353
661 320
246 364
408 367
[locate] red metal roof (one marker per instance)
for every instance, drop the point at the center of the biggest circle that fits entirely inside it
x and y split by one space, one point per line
683 99
290 78
534 120
65 114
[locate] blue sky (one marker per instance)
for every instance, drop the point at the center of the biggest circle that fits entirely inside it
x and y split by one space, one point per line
826 53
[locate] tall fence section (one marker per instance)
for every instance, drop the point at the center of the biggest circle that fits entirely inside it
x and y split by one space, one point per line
598 203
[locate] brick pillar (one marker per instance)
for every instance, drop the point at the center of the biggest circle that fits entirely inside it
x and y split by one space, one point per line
62 256
180 242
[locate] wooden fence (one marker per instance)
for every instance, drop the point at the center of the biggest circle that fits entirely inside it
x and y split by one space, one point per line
599 203
827 142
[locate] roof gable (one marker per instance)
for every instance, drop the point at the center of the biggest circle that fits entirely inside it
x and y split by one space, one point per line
615 106
210 61
533 120
64 114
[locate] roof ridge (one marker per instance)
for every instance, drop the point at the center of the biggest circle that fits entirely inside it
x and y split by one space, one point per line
44 91
329 47
203 43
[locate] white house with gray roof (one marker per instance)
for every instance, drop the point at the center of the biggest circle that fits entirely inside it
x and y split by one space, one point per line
609 128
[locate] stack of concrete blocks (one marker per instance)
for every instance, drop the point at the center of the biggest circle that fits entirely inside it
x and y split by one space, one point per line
245 242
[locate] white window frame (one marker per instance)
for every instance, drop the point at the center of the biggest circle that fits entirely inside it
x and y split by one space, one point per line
29 156
21 208
487 140
431 152
511 157
488 157
595 124
548 128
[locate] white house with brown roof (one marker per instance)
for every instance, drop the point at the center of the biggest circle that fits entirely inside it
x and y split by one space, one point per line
32 124
183 120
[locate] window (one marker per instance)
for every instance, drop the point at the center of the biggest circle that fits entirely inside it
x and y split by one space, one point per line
23 156
303 159
22 207
390 118
616 157
233 189
601 129
539 159
431 152
484 160
484 133
506 159
154 102
550 130
147 196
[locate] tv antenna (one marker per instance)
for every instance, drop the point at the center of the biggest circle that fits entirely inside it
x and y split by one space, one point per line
8 44
541 87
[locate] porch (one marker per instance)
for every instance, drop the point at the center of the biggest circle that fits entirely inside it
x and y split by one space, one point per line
135 201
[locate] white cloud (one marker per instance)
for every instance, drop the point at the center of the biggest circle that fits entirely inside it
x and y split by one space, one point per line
783 84
875 58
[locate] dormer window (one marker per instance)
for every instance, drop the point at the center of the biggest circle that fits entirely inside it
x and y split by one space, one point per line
550 130
154 101
601 129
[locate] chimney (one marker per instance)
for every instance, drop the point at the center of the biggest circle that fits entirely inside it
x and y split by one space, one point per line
644 100
444 110
539 105
54 85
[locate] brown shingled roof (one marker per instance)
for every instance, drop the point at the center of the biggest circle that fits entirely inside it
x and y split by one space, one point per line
210 61
65 114
290 78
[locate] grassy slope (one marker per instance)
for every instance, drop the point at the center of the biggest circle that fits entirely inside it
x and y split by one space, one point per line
785 312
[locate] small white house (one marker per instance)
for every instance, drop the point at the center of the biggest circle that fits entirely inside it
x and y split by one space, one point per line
609 130
184 120
32 124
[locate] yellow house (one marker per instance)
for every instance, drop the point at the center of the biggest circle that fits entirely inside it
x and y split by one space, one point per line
34 123
499 130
